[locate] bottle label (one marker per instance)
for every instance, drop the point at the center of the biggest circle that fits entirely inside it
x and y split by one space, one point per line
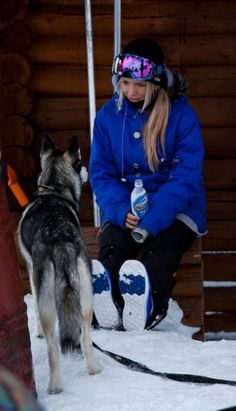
140 205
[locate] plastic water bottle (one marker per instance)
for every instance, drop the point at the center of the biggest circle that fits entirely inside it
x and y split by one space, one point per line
139 199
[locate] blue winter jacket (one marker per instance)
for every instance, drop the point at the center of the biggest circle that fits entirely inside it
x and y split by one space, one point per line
118 158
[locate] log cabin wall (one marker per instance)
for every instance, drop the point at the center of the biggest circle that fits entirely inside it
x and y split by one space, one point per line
44 76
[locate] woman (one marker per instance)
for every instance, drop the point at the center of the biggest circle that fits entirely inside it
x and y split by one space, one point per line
147 130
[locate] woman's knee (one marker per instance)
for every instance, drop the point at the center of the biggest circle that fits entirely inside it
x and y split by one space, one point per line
113 240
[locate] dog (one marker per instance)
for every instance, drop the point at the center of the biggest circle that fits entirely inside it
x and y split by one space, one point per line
57 259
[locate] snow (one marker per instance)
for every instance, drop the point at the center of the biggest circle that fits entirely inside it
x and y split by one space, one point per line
169 348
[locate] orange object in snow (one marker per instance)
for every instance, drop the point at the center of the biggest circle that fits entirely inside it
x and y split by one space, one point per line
15 187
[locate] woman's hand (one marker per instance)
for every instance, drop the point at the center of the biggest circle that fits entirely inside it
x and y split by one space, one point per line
131 221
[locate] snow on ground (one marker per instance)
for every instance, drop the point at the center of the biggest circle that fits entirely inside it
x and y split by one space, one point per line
169 348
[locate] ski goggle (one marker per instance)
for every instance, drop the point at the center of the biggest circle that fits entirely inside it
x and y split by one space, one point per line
138 68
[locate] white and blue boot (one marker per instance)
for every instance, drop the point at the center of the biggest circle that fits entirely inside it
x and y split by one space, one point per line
104 307
136 292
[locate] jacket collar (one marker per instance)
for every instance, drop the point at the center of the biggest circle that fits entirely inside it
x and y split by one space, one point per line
128 108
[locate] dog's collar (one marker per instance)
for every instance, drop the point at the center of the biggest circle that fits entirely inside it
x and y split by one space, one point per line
52 190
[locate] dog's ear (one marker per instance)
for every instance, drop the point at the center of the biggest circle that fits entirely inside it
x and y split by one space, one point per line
74 151
73 144
47 144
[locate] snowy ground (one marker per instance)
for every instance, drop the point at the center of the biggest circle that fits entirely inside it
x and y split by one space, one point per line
168 349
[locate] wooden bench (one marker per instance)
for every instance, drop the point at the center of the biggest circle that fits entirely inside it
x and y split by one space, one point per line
188 291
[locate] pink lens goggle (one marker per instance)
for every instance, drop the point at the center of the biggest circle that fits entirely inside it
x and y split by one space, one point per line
137 68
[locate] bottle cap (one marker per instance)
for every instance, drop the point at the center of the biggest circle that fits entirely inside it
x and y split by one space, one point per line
138 182
140 234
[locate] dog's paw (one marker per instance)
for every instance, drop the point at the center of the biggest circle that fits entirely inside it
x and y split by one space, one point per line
54 390
95 368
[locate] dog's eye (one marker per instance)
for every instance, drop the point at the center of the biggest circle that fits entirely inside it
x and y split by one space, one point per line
77 165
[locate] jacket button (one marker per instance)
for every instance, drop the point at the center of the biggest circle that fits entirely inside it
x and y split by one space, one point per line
136 134
135 165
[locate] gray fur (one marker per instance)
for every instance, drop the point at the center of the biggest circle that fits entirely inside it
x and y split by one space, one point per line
57 259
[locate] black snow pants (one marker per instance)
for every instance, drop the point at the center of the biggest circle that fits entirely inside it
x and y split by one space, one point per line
160 255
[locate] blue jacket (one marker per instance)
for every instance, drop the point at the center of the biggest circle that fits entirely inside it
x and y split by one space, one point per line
116 161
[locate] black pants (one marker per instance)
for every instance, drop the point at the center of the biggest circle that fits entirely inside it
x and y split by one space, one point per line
160 255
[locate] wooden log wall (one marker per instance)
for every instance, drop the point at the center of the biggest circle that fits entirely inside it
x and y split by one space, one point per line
17 95
45 65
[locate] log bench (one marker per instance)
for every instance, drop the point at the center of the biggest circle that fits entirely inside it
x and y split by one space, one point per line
188 291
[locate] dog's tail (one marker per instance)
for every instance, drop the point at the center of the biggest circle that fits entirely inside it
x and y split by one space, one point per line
67 297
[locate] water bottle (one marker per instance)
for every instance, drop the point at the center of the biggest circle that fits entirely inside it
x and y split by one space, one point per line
139 199
139 206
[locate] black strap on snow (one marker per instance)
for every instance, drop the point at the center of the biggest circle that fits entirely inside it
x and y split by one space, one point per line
137 366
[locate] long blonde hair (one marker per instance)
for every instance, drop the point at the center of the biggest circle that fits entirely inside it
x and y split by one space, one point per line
154 129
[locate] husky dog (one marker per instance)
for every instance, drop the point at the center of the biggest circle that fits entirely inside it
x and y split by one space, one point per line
57 260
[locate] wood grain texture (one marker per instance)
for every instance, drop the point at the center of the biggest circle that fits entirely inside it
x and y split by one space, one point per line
13 9
16 36
57 24
15 68
17 99
18 131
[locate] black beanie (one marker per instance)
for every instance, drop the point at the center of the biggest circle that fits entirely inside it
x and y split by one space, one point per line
149 49
146 48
